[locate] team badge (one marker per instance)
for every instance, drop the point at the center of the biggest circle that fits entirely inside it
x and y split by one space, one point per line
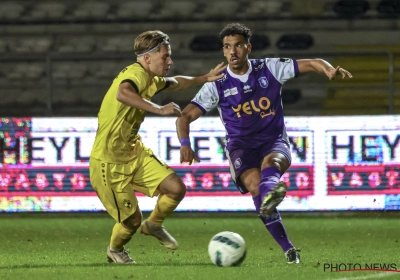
127 203
263 82
238 163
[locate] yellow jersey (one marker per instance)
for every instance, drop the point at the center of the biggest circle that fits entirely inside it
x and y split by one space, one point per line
118 124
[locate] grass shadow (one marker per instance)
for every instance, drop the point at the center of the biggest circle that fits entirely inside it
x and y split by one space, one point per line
172 264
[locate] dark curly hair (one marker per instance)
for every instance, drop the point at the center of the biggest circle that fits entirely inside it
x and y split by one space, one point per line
235 29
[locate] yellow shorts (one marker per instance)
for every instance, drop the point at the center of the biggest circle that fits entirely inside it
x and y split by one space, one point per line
115 183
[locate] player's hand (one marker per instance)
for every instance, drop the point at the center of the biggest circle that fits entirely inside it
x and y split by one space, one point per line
334 72
214 73
188 156
171 109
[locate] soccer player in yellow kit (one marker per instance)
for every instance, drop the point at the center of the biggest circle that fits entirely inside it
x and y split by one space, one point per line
120 163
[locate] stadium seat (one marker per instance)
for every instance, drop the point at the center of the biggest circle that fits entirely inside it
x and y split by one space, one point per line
389 8
30 44
32 98
3 46
262 8
106 71
219 10
177 9
179 42
37 70
134 10
259 42
307 8
395 48
7 97
92 95
359 99
65 96
351 8
77 99
367 92
295 41
121 43
291 96
91 10
52 11
194 67
11 10
24 71
42 45
21 45
367 70
69 70
75 44
205 43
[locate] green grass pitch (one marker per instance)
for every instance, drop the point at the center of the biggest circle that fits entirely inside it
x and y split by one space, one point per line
72 246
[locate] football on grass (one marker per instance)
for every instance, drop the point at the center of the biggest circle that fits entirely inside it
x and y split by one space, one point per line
227 249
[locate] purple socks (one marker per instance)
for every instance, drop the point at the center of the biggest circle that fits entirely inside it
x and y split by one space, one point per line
270 176
275 226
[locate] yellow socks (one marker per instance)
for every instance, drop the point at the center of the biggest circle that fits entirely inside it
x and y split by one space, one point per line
163 209
120 236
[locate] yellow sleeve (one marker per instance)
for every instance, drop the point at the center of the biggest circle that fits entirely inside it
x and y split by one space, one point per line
161 83
136 76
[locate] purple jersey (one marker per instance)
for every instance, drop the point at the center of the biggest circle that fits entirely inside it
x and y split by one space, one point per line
250 105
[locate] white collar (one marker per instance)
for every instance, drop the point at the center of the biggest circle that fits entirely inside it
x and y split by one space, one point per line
243 78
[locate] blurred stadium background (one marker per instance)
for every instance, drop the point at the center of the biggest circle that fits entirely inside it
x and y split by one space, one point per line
58 57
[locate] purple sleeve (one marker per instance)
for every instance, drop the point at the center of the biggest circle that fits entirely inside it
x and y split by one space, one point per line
199 106
296 68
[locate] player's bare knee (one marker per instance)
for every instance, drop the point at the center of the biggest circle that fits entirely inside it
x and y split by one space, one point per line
173 187
253 188
251 183
178 191
134 221
280 162
275 162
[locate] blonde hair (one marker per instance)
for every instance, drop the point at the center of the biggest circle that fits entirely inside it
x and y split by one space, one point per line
149 41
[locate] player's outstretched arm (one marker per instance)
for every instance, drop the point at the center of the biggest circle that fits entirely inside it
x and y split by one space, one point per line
321 66
127 95
179 83
189 114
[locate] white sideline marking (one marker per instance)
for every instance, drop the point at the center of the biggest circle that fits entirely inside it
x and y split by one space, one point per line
372 276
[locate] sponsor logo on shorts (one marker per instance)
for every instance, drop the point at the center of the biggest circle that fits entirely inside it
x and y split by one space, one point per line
238 163
127 203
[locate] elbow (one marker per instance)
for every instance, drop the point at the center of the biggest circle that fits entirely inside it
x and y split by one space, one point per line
184 118
180 119
179 87
120 96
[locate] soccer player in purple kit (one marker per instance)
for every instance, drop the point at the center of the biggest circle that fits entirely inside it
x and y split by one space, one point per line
248 98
